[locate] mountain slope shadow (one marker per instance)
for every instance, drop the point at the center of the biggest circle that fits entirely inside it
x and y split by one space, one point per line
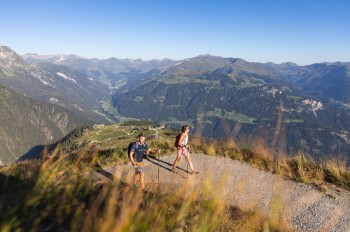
34 153
37 151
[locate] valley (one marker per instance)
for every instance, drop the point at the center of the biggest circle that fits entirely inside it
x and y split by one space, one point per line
289 107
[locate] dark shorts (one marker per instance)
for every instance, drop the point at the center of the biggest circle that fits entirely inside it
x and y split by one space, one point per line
138 169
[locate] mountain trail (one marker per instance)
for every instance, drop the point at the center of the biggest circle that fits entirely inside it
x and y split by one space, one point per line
302 207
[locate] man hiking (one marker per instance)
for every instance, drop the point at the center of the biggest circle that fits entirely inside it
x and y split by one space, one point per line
181 144
137 152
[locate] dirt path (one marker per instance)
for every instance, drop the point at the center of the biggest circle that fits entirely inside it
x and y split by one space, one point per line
304 208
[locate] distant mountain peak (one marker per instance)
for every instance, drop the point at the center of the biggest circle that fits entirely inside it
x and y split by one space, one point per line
4 47
206 55
58 58
9 58
7 53
290 64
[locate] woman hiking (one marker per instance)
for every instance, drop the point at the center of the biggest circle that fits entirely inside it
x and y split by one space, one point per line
181 144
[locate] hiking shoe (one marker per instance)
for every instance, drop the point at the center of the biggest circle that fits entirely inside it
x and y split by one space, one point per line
194 173
174 171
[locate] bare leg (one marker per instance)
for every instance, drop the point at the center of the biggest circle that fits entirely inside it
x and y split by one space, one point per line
142 180
177 160
189 160
135 178
139 177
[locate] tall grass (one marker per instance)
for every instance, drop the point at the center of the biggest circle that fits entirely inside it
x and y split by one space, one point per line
60 193
298 167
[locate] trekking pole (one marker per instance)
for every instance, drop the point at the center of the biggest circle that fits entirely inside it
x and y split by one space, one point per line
187 170
188 153
158 166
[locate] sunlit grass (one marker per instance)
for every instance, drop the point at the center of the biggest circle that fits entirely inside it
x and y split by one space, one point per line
60 193
298 167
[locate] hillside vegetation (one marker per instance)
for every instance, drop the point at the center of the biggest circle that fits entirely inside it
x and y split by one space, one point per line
216 102
62 191
111 141
307 106
26 123
63 194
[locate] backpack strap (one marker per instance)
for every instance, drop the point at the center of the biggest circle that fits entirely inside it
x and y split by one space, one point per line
136 146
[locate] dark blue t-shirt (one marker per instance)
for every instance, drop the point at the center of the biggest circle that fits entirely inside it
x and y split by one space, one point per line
139 150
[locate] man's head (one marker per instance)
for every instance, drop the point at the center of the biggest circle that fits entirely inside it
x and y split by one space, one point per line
141 138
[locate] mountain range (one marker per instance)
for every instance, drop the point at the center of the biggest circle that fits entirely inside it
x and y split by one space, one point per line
52 83
290 107
230 93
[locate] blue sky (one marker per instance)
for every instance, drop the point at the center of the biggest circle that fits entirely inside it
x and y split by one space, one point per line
300 31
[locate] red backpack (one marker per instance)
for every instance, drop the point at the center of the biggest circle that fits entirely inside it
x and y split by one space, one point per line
176 143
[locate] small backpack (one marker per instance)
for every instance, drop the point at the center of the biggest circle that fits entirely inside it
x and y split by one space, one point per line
176 143
129 148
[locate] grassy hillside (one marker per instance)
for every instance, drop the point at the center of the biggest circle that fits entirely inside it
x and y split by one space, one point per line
25 123
109 143
62 191
64 195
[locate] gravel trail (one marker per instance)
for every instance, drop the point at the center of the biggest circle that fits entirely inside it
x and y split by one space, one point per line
303 207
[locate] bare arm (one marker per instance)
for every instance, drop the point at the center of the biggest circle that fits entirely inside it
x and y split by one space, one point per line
154 150
132 157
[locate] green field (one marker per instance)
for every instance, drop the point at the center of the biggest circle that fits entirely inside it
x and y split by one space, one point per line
138 99
231 115
216 113
108 107
293 121
295 98
246 84
187 79
119 135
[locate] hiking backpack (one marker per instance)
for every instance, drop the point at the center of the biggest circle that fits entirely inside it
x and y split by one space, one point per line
129 148
176 143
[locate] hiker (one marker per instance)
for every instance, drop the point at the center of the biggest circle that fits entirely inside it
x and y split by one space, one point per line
137 152
181 144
